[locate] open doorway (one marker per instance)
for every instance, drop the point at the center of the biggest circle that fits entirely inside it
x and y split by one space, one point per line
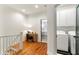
43 30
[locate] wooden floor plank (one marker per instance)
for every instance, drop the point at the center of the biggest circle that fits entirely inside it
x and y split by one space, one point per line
33 48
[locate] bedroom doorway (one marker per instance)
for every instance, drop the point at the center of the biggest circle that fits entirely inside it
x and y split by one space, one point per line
43 30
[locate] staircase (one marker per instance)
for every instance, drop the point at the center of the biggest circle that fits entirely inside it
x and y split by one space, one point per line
7 44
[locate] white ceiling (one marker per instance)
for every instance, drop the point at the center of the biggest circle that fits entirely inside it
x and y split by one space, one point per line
29 8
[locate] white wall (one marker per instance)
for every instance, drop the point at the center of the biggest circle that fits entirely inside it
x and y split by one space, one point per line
12 21
51 32
66 16
34 20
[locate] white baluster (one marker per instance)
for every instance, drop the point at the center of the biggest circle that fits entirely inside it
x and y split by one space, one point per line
21 43
3 45
0 45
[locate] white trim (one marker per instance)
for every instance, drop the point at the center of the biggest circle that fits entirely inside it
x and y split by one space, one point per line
50 53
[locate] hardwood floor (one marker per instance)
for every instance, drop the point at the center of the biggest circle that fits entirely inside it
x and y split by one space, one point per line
32 48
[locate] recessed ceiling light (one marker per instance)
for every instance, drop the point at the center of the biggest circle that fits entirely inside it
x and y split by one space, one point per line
23 10
36 6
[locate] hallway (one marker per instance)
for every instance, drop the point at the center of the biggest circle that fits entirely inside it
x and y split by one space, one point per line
21 18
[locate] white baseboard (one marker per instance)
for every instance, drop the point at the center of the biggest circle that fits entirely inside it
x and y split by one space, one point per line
50 53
